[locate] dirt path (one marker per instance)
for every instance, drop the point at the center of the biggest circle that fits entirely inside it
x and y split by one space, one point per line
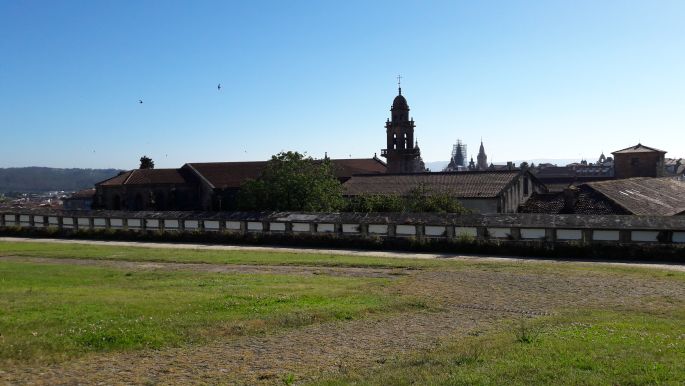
466 301
349 252
219 268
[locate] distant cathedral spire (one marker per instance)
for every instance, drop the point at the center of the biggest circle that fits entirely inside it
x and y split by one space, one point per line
482 158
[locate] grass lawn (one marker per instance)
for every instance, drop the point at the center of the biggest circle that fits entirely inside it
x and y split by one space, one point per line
605 324
78 251
51 312
583 347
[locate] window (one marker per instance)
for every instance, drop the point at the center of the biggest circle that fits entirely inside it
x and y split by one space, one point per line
525 186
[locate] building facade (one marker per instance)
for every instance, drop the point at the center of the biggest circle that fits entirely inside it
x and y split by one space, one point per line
639 161
483 192
199 186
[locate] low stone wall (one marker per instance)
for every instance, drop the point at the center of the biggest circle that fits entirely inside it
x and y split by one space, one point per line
510 227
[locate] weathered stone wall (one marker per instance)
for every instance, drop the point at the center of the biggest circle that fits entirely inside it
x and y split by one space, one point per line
550 228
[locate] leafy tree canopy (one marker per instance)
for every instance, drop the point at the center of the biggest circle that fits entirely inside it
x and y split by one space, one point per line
292 181
418 200
146 162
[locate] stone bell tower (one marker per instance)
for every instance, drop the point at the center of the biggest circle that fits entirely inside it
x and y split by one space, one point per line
402 152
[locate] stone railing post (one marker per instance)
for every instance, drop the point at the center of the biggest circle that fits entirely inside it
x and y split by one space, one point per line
624 236
392 230
550 235
420 231
364 229
449 232
515 233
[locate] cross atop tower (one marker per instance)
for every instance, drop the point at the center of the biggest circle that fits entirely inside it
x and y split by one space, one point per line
399 83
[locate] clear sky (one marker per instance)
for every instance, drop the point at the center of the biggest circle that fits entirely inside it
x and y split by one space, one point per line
534 79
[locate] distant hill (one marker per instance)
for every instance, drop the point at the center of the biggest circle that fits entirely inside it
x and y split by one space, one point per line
43 179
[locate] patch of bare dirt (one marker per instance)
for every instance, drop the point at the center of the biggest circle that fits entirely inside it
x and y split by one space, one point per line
220 268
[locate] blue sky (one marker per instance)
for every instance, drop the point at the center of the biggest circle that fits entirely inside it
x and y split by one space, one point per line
534 79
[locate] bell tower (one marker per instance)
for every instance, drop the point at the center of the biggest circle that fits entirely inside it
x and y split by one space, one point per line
402 154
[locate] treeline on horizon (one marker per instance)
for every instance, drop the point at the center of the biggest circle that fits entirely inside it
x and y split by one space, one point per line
36 179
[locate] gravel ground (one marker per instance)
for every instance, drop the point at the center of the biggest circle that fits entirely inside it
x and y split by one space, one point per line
463 301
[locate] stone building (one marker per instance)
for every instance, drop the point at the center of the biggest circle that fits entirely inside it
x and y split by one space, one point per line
81 200
630 196
402 153
199 186
482 192
638 161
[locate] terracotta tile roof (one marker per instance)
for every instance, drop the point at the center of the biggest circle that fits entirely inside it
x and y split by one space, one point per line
146 177
555 172
345 168
639 148
116 180
461 184
86 193
645 195
233 174
586 201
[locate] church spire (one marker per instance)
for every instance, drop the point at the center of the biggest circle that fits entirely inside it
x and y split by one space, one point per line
482 158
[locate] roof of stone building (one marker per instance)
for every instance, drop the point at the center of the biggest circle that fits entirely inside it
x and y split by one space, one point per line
555 172
645 195
482 184
81 194
146 177
233 174
639 148
586 201
119 179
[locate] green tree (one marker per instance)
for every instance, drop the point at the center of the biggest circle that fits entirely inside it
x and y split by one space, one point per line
293 181
146 163
375 203
422 199
418 200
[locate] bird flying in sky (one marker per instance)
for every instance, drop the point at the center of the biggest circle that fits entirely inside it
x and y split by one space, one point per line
218 87
140 101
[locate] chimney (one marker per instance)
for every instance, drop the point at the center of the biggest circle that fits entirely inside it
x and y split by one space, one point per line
570 200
